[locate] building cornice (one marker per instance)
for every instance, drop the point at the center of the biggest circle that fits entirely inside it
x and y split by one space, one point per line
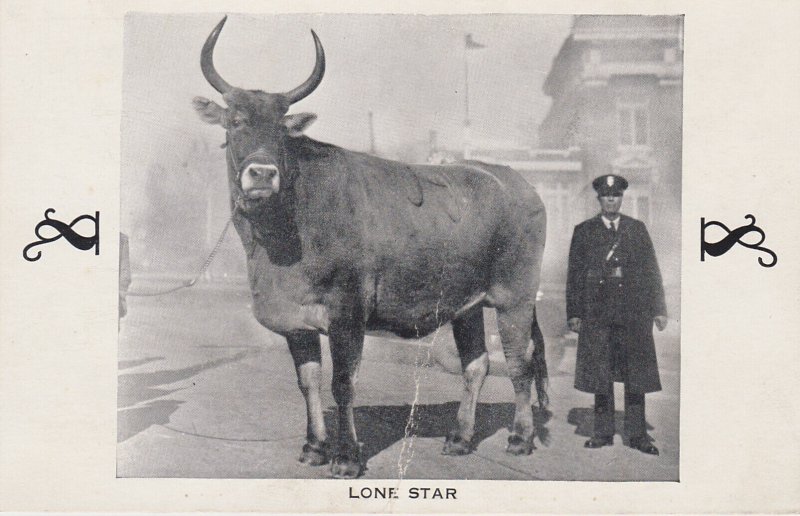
606 70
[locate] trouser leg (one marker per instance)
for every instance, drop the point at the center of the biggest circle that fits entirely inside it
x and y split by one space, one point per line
634 415
604 413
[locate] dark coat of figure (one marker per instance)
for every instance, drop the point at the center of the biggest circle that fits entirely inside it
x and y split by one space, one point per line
341 243
614 294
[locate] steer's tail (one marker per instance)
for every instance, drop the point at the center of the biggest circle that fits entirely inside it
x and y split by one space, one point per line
539 363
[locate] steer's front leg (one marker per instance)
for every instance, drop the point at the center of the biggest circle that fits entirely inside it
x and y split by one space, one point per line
346 340
305 350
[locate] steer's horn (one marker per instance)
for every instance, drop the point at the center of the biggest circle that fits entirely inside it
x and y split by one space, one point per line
207 60
313 81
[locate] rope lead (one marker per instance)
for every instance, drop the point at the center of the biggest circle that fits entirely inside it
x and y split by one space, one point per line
202 270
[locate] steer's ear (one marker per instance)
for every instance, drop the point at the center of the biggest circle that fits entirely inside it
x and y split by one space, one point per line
209 111
298 123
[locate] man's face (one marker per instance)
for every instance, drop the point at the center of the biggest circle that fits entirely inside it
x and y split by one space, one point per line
610 204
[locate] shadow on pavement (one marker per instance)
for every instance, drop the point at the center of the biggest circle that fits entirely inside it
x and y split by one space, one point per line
127 364
134 420
379 427
135 388
583 419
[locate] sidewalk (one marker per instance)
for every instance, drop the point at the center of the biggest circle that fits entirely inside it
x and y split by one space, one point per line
204 391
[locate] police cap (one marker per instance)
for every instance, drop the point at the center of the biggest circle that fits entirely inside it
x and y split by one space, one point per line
610 184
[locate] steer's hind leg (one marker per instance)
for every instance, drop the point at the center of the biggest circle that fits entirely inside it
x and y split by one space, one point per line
347 341
471 343
305 350
515 330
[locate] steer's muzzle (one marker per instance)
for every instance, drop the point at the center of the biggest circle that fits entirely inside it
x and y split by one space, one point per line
259 180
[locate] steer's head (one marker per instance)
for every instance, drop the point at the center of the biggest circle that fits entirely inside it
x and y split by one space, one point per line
257 126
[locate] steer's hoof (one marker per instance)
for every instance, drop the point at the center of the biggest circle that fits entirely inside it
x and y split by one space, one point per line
519 446
315 454
456 445
347 462
346 467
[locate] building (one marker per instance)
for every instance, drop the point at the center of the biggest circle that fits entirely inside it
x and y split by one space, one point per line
616 90
616 86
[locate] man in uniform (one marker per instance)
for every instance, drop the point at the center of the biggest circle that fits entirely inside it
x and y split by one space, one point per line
614 295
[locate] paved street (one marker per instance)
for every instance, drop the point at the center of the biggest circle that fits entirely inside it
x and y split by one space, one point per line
205 392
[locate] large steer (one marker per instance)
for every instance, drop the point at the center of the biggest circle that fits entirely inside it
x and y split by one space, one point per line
341 243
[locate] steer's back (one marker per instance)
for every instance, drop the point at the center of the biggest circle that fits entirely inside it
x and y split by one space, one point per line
432 237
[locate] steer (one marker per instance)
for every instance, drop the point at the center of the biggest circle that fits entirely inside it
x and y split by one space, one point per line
342 243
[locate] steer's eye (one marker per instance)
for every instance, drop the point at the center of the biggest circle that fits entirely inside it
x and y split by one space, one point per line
236 122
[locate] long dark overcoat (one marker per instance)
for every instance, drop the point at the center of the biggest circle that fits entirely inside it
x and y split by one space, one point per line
629 302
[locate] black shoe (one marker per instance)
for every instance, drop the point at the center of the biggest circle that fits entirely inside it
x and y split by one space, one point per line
599 442
643 445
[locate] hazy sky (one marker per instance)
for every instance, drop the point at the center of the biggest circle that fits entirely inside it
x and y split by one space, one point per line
407 69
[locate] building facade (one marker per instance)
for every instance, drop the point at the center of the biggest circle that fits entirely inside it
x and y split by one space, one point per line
616 89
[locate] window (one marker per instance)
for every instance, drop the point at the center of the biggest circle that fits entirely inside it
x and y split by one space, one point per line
634 124
637 201
637 205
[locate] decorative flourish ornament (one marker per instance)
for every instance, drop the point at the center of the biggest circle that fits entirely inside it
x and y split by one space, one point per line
734 237
77 240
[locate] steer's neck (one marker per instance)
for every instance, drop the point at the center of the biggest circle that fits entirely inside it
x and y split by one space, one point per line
272 226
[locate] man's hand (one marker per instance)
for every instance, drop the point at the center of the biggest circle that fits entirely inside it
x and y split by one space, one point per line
661 322
574 324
